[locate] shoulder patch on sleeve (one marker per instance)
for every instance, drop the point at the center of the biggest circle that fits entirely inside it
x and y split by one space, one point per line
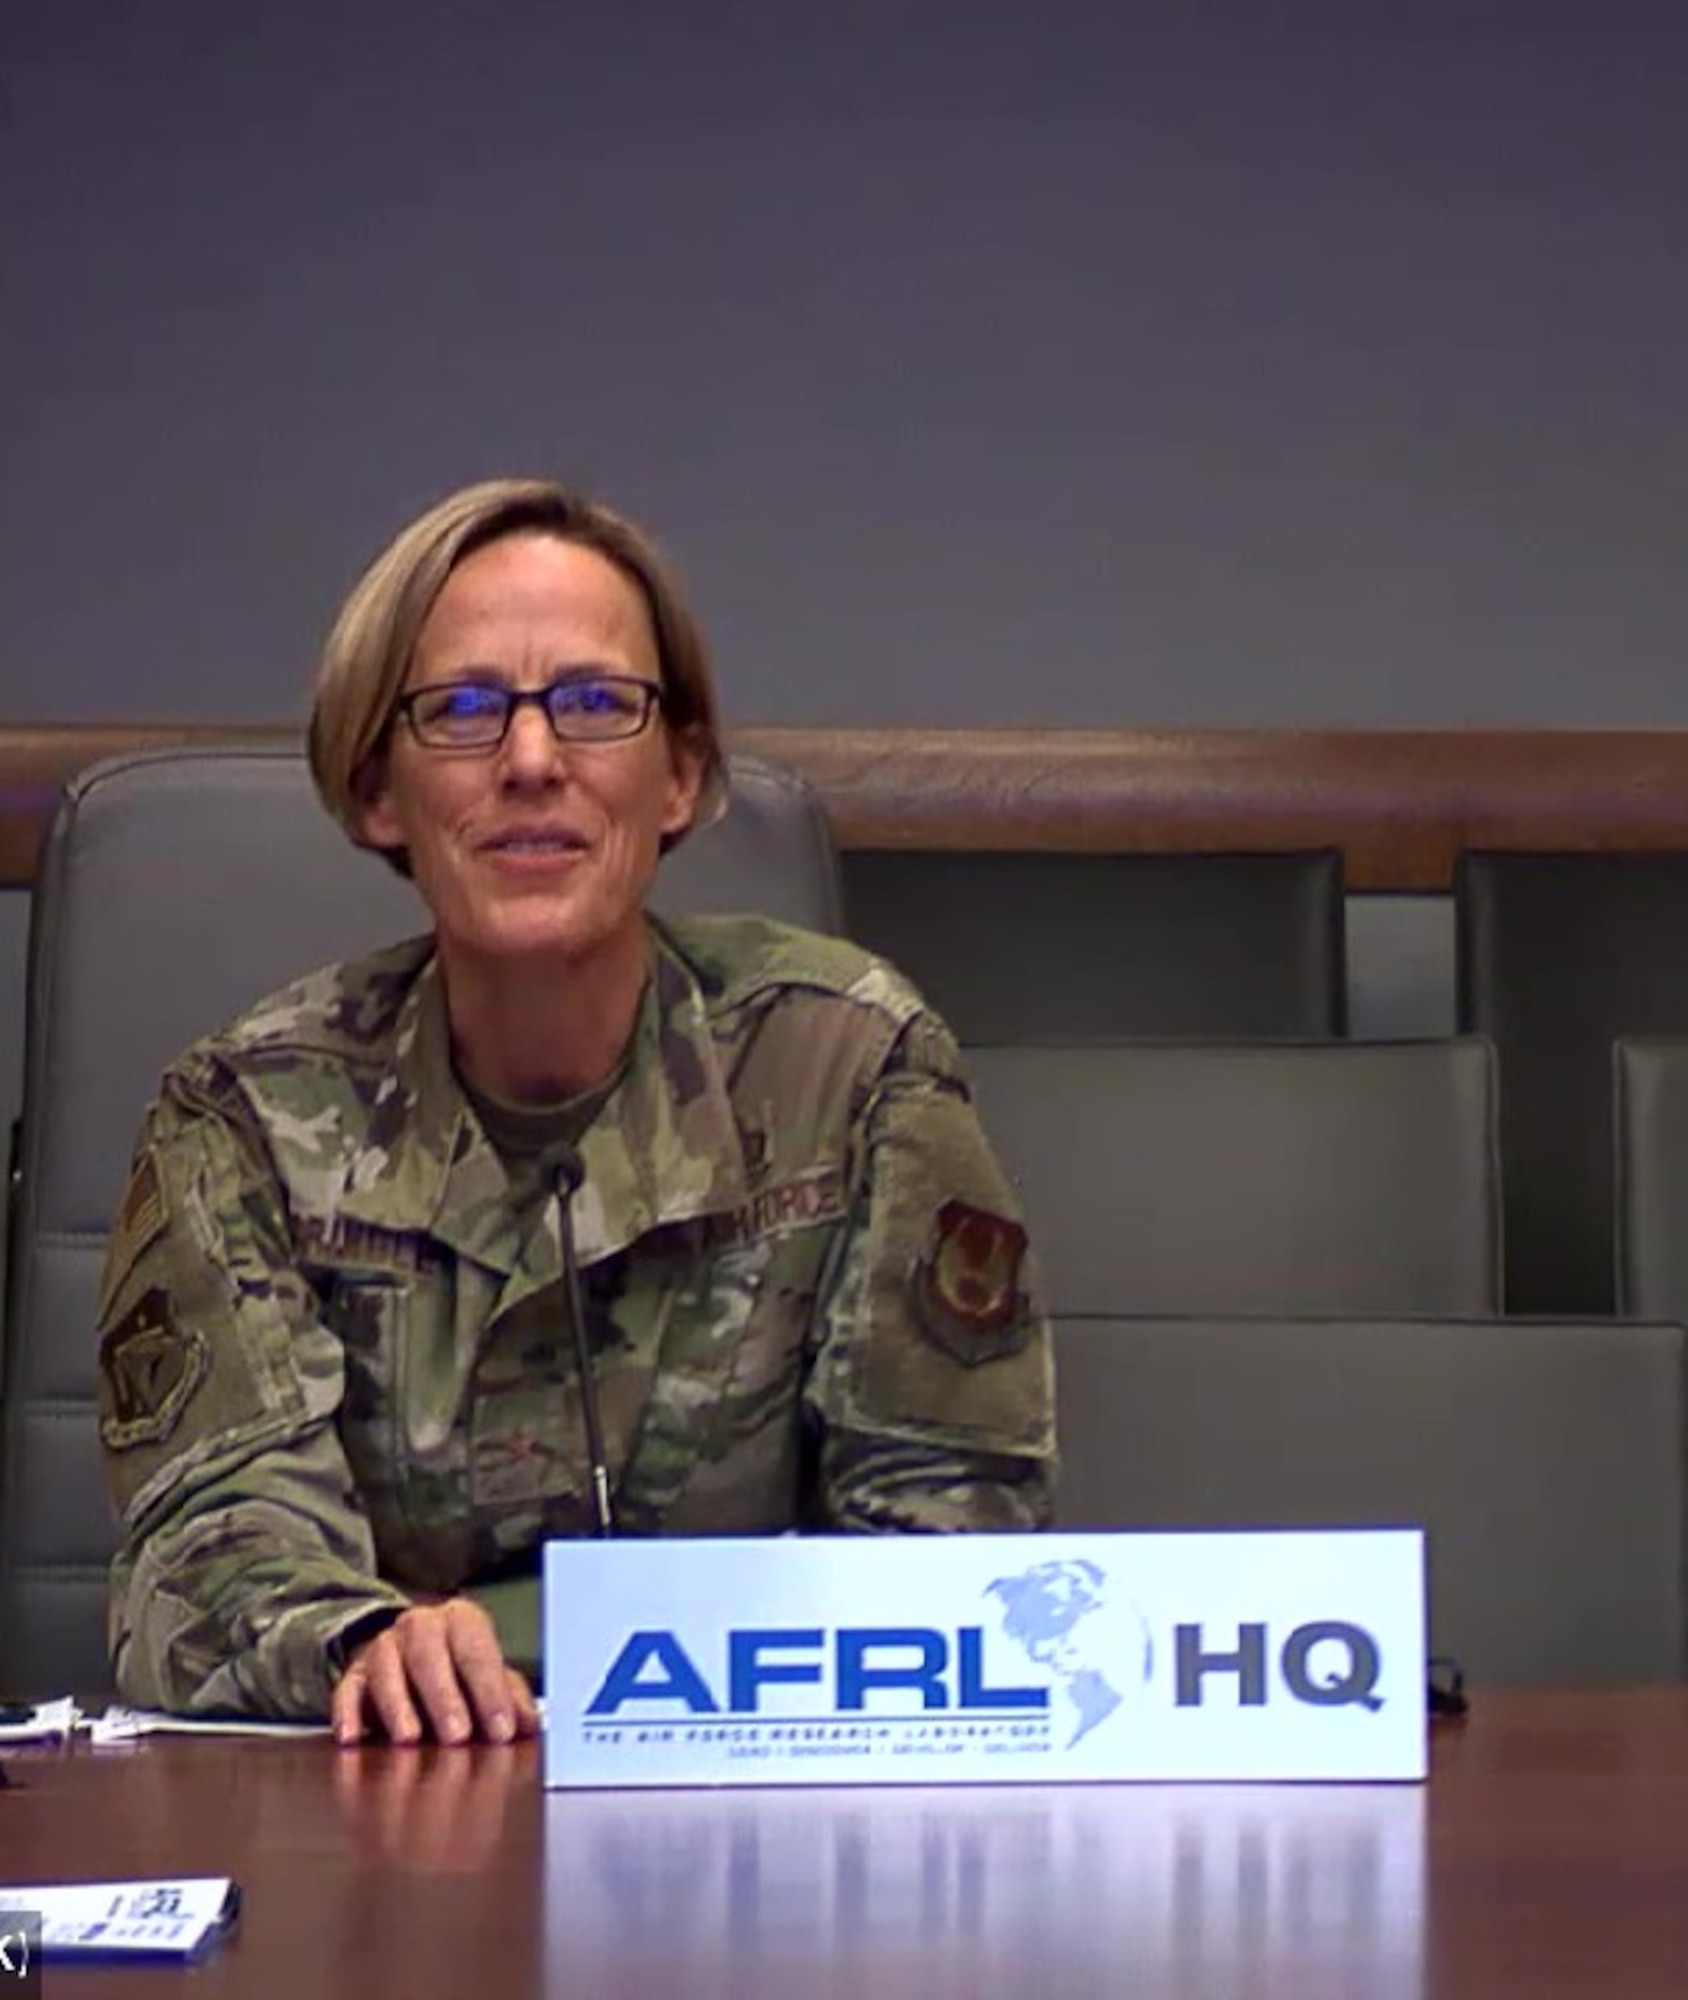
968 1286
151 1367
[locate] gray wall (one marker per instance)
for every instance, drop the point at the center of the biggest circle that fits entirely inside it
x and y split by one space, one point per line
1203 361
1094 362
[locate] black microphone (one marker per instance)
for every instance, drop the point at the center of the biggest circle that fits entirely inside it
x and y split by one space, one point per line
566 1166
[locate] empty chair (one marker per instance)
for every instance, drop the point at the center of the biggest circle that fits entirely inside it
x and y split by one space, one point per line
1546 1461
1038 946
1252 1178
176 889
1651 1141
1558 955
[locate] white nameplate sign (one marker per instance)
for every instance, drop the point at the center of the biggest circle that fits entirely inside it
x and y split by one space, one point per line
985 1659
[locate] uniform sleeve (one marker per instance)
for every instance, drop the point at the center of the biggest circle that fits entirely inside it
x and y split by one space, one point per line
931 1391
244 1551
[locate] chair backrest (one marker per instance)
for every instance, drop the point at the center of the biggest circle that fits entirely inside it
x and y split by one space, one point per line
1650 1090
1557 956
176 889
1545 1459
1252 1177
1038 946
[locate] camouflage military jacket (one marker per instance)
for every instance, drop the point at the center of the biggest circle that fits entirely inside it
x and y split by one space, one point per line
337 1359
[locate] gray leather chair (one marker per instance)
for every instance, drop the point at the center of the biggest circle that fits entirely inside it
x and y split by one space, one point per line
1164 1177
1031 947
1557 956
1650 1091
176 889
1545 1460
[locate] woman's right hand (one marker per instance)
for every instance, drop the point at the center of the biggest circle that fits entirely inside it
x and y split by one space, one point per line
437 1671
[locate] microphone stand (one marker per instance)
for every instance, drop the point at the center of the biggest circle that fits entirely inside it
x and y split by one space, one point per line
569 1174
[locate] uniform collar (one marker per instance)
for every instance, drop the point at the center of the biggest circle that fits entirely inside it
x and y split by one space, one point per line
663 1149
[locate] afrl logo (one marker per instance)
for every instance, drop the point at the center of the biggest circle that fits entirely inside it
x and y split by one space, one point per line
920 1669
1056 1617
1327 1664
930 1669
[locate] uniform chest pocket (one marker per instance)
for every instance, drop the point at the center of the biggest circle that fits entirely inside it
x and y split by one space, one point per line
369 1318
402 1422
711 1310
729 1369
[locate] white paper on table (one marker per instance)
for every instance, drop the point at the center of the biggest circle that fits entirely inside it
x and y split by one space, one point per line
124 1725
48 1722
172 1918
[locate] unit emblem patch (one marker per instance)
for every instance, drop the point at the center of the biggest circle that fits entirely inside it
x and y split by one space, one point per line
152 1366
968 1283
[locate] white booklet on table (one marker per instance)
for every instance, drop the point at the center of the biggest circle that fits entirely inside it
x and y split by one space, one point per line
167 1918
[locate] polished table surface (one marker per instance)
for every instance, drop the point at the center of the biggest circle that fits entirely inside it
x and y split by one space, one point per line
1547 1856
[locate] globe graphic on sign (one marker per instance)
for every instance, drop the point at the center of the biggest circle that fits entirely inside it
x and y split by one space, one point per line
1046 1611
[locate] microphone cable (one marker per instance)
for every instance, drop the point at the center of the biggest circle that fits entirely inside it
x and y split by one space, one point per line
569 1173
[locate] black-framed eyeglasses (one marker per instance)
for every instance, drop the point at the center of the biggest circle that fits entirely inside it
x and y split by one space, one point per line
581 708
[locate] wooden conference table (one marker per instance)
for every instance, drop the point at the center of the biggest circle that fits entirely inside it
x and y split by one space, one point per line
1547 1856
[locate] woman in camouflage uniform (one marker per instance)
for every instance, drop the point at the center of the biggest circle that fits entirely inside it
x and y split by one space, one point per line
342 1408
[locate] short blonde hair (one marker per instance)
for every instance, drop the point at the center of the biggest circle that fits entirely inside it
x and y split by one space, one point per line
368 653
